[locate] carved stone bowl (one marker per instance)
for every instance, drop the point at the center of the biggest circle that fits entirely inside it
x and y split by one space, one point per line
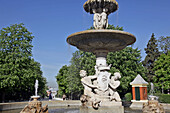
99 5
101 40
35 98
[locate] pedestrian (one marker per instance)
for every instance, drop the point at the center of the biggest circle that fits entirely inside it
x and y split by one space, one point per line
50 96
64 97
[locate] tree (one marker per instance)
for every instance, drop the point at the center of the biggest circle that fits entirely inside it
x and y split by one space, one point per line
111 27
164 44
62 81
162 72
128 63
68 78
152 55
18 70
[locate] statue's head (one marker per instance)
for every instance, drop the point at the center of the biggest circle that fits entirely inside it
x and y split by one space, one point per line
83 73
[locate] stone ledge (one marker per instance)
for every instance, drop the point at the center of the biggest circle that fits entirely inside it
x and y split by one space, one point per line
21 105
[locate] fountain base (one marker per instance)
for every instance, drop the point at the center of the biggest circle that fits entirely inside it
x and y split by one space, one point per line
153 107
35 106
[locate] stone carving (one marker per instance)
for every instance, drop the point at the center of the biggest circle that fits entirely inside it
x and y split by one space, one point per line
100 20
100 87
153 107
114 83
35 107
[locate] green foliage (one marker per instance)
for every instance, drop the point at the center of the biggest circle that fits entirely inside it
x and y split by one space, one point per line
61 80
115 28
68 78
163 98
164 44
128 63
128 97
162 72
111 27
152 55
18 71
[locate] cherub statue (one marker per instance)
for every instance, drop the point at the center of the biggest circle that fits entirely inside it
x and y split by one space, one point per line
114 83
100 20
87 83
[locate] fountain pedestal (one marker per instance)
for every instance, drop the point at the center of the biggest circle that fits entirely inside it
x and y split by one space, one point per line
153 107
100 95
35 106
35 103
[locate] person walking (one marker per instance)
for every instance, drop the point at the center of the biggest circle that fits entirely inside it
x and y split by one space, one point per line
50 95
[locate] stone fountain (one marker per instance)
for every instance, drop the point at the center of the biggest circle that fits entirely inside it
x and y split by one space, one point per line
100 89
35 106
153 105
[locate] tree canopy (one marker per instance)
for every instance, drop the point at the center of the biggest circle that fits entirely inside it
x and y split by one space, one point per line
128 63
18 70
152 55
68 78
164 44
162 72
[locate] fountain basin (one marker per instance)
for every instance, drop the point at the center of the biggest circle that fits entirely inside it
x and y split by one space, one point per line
35 97
98 5
101 40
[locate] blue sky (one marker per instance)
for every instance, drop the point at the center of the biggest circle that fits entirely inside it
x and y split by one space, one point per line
52 21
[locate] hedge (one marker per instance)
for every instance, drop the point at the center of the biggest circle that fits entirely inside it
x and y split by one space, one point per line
128 97
163 98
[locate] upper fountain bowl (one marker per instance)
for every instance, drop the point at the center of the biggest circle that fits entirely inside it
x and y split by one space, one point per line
98 6
101 40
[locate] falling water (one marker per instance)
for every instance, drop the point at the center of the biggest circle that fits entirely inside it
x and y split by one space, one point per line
117 19
36 87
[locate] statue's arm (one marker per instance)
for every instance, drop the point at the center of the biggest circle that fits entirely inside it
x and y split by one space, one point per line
92 77
87 84
116 84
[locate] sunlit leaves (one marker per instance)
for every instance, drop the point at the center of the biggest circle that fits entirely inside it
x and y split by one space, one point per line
18 71
128 63
162 72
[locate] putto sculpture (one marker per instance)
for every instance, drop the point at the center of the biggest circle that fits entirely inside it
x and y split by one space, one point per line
100 89
101 9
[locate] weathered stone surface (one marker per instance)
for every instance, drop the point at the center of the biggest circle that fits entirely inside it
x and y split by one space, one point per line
35 106
153 107
100 89
98 5
101 40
